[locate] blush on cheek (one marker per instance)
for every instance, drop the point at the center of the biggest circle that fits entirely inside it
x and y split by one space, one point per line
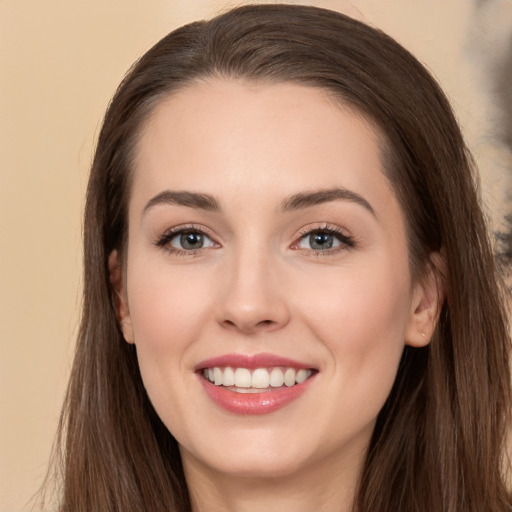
163 315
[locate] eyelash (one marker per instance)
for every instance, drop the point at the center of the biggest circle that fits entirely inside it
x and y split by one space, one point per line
164 241
346 241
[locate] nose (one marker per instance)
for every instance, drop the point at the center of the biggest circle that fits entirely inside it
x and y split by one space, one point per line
253 298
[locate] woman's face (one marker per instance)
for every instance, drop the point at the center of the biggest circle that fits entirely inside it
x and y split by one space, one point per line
266 253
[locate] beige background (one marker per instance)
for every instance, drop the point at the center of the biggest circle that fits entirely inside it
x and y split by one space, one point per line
59 64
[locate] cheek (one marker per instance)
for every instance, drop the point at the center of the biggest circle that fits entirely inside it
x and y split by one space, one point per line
168 314
352 304
165 307
362 321
167 311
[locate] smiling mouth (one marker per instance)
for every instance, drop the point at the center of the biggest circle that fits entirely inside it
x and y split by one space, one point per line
257 380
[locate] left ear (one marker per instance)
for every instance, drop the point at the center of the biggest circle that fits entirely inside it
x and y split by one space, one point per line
120 299
427 302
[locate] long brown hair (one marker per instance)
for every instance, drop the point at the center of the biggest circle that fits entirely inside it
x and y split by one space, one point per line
439 441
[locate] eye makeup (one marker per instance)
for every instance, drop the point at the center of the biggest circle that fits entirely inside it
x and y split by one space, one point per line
191 239
186 240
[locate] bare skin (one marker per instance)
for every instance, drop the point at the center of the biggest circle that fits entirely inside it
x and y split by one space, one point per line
288 241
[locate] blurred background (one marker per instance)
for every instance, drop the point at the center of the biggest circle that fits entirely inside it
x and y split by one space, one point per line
60 62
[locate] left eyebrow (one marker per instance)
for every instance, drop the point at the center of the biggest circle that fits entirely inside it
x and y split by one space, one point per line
308 199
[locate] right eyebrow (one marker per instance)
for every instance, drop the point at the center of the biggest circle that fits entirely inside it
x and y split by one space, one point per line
184 198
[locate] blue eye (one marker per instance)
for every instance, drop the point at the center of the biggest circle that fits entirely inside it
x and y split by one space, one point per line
185 240
323 240
190 241
319 241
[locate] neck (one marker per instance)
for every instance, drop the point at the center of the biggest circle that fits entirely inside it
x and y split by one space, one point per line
321 487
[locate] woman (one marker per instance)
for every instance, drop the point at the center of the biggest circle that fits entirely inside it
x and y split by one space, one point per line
290 302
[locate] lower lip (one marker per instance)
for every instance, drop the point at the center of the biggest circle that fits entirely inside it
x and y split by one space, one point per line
254 403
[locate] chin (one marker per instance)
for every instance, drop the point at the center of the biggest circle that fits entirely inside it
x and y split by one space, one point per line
261 467
247 456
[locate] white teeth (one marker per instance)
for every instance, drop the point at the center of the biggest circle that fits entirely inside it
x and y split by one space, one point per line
276 378
289 377
229 377
301 376
217 376
243 378
260 378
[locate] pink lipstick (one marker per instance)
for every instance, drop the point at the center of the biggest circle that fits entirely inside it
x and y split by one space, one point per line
254 384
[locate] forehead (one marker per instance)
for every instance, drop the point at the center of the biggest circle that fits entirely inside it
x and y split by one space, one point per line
279 138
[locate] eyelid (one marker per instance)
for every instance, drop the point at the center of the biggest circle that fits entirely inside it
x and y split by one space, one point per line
347 241
163 241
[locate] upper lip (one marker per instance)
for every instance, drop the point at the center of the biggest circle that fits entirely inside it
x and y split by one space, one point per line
263 360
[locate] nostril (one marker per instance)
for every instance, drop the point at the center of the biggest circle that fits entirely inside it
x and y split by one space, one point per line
250 326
